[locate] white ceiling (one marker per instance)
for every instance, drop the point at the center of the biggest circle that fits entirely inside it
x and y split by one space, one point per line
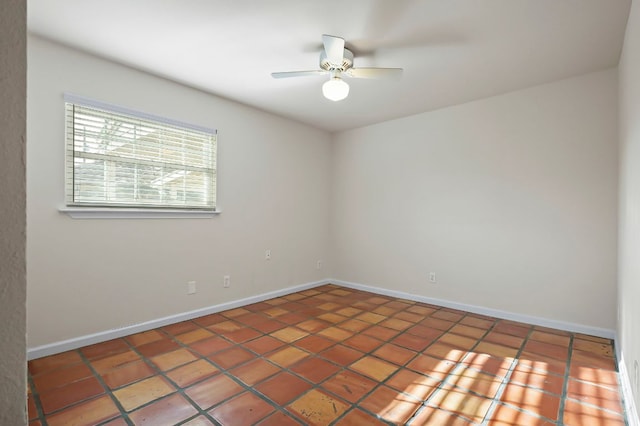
452 51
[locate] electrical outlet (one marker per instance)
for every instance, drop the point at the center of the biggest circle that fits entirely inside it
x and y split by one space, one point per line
191 287
226 283
267 254
432 277
319 264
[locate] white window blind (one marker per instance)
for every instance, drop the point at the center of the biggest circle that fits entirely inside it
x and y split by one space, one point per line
121 158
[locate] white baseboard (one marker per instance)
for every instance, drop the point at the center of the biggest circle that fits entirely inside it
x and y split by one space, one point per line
77 342
627 392
544 322
625 382
103 336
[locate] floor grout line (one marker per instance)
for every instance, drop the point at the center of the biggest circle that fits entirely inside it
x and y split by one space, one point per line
425 403
160 372
123 412
565 386
380 384
36 400
506 380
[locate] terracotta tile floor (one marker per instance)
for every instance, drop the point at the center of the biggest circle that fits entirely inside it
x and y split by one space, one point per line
333 355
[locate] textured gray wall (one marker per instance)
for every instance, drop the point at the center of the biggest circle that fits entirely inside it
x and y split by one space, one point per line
13 284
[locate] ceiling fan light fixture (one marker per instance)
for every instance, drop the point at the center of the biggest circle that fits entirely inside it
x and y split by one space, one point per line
336 89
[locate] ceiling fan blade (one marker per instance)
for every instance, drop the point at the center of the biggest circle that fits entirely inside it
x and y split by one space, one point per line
334 48
374 72
297 73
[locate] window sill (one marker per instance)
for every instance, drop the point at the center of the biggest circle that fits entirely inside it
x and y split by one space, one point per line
120 213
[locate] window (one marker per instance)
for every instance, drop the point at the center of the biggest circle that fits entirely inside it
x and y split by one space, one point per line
121 158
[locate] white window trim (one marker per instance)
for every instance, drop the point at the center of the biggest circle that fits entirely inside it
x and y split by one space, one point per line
92 212
135 213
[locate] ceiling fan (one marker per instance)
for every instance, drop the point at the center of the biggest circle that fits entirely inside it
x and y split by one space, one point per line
337 61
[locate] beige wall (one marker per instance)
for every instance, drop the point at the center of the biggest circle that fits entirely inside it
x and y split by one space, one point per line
629 230
13 73
511 200
88 276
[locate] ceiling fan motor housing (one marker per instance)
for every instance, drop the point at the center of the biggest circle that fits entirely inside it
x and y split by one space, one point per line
347 62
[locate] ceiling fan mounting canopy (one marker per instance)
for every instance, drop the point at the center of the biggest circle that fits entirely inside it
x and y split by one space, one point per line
336 60
327 65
